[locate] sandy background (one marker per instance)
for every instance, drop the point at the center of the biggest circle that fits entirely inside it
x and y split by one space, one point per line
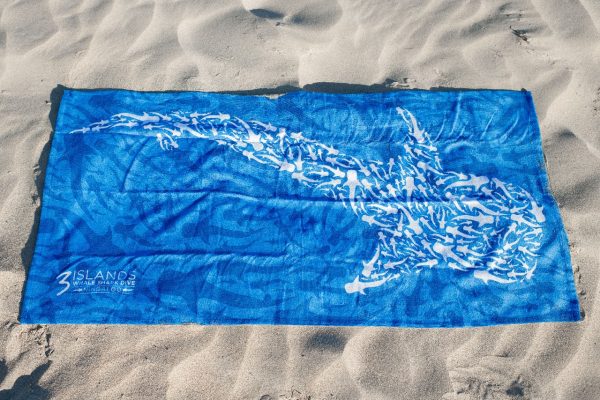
550 47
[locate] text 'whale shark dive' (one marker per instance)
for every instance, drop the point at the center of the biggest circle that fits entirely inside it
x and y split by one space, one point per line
423 215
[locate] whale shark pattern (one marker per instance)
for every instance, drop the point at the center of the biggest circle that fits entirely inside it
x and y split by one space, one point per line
424 216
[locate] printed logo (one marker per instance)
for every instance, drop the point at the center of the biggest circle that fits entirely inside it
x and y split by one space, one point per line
96 281
62 279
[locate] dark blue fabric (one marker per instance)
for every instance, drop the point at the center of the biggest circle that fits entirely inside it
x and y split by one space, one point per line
409 208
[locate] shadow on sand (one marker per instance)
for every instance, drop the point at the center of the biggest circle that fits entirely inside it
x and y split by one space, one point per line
26 387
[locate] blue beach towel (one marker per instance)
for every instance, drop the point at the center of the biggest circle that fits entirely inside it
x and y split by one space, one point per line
409 208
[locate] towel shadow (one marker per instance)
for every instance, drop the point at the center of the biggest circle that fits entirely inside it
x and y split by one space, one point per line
349 88
40 175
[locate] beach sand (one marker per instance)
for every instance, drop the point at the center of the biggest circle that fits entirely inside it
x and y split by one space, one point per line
549 47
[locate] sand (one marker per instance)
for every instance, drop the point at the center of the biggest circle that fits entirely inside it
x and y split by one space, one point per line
550 47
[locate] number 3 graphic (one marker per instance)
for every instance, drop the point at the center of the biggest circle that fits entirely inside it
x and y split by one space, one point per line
63 281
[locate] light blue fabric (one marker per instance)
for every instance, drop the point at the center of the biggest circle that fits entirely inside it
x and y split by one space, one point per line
409 208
